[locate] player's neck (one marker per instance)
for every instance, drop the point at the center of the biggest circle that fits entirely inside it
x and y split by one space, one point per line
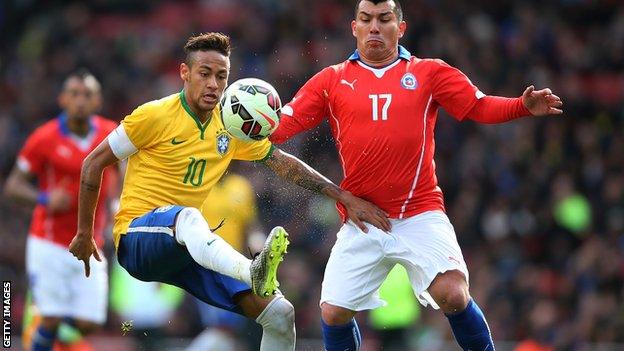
195 111
78 126
202 116
205 118
380 62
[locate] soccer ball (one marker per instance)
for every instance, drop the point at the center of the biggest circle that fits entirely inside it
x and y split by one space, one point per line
250 109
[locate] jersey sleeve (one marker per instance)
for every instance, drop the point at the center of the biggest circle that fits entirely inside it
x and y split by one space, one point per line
453 90
142 127
497 109
255 150
32 158
306 110
120 143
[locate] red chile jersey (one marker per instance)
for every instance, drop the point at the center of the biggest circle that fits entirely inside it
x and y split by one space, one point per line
54 156
383 121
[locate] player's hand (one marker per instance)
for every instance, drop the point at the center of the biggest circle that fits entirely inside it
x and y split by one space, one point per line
59 199
360 211
82 247
541 102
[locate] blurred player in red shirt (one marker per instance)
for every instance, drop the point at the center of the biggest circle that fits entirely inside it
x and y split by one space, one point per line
53 156
382 104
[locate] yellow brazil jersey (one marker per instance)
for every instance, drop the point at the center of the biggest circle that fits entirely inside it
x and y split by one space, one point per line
232 199
178 159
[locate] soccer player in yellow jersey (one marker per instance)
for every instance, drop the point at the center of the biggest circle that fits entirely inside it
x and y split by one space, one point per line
177 150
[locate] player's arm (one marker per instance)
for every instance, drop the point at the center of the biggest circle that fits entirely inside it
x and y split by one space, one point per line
296 171
458 96
19 185
306 110
498 109
83 245
114 193
136 131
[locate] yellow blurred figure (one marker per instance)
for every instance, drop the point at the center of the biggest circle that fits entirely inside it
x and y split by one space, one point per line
231 200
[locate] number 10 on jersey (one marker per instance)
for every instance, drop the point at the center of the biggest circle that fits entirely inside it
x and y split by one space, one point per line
384 109
195 172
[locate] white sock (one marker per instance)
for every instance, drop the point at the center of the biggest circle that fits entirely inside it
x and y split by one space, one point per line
209 249
278 325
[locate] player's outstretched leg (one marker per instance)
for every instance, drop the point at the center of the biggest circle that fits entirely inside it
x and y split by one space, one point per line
264 266
209 249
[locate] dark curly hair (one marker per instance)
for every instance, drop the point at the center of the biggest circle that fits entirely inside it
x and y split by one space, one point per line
205 42
397 8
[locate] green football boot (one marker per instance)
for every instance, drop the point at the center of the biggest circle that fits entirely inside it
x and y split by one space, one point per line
264 265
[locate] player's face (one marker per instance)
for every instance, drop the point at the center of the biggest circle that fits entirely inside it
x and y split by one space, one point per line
205 79
79 98
377 30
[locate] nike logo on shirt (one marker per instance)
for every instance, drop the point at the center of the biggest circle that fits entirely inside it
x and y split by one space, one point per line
176 142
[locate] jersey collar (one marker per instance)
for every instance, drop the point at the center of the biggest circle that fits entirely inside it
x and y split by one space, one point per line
403 54
187 108
64 125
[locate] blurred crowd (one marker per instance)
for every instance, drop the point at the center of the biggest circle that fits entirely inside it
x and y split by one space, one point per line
537 204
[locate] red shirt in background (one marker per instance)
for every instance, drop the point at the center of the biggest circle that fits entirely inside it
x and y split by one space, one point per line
54 156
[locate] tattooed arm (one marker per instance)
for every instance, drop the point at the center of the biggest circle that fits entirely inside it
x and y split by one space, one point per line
83 245
290 168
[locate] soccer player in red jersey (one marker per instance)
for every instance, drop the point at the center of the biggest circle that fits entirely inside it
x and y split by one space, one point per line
382 104
53 156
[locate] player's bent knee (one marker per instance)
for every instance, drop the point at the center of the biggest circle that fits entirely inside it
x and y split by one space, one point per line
457 299
335 315
187 219
189 215
450 291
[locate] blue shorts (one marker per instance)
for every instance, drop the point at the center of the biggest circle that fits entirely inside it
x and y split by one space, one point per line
149 252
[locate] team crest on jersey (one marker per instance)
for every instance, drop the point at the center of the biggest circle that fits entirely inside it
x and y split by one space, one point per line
409 81
223 143
163 209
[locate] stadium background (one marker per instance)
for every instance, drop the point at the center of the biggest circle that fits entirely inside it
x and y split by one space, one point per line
538 205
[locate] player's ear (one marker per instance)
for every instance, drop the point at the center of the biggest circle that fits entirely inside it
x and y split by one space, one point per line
402 28
353 28
185 72
96 101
